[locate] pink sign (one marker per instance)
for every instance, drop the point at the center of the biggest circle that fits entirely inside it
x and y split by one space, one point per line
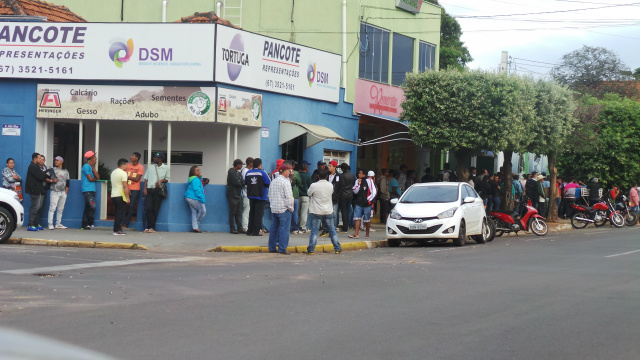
378 99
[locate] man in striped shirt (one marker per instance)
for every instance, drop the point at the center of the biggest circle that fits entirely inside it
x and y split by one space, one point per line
281 200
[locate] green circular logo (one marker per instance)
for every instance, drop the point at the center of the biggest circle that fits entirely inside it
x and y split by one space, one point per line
199 103
255 109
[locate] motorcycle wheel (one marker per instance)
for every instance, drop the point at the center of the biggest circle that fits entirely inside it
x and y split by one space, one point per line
631 218
577 223
617 220
603 221
538 226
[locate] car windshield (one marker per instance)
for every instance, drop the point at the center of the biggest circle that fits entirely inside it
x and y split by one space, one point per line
430 194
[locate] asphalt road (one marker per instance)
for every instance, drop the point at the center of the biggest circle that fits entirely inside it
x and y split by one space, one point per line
570 295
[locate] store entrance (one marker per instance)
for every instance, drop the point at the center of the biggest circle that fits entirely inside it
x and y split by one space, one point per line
65 144
293 149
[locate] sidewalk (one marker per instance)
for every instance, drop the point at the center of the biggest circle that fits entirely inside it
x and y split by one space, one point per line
187 241
212 241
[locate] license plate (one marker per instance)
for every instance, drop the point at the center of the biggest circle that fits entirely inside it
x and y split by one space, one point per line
418 227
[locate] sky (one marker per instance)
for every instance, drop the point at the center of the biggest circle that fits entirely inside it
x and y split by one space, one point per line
536 33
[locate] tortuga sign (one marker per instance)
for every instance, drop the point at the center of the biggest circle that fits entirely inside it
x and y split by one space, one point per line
378 99
409 5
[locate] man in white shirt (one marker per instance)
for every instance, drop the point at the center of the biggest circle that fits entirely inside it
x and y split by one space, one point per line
321 211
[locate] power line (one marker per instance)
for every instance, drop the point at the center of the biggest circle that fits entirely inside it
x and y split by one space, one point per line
540 62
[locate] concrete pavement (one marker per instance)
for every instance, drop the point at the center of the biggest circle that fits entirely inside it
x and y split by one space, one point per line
207 241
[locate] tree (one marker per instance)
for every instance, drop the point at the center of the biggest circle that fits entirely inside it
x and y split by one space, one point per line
468 111
555 112
593 70
453 53
613 155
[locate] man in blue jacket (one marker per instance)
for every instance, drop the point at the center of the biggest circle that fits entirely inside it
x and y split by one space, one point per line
257 181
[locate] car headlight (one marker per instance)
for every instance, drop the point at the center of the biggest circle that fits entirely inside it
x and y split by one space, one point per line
395 215
448 213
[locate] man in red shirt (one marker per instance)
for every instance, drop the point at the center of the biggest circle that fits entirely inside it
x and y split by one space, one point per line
135 170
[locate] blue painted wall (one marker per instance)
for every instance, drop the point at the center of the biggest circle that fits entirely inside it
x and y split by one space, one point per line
18 106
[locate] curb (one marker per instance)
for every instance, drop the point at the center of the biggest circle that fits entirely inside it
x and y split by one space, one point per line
79 244
325 248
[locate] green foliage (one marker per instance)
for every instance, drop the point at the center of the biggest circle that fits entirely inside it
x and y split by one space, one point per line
453 53
469 111
614 155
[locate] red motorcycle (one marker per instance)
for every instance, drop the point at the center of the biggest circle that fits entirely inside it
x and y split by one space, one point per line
597 215
510 221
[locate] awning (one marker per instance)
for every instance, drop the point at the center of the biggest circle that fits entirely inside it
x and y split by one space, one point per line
383 117
315 133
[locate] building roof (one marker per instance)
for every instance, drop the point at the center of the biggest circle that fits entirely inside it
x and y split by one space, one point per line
206 17
39 8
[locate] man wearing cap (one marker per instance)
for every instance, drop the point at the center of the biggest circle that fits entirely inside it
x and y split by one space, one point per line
275 173
59 191
321 166
135 172
542 204
305 183
365 191
245 198
234 197
281 200
156 174
89 178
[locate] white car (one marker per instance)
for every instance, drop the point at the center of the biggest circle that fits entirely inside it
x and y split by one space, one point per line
438 212
11 214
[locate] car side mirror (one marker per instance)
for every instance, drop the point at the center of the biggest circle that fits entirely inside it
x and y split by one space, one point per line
469 200
393 201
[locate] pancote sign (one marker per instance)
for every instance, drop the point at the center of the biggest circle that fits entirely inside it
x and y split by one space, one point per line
378 99
409 5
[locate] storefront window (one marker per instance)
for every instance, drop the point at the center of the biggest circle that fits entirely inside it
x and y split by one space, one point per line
339 156
374 53
402 62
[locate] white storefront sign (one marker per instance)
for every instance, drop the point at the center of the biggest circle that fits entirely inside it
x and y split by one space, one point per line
112 102
118 51
255 61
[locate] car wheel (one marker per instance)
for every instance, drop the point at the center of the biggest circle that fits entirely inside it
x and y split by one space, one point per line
7 225
484 234
393 242
462 235
492 226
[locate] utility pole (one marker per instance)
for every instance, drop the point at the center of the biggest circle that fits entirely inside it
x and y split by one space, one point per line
504 62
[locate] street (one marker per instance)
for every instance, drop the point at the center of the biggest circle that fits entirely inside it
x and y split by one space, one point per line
569 295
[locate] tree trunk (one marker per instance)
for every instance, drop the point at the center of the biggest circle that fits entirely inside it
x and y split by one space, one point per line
553 190
461 168
507 204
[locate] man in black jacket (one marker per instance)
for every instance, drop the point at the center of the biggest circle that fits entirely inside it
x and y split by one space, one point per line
531 189
234 197
35 188
345 194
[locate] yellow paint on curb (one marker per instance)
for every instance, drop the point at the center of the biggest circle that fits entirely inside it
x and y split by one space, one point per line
80 244
240 249
14 241
126 246
359 245
40 242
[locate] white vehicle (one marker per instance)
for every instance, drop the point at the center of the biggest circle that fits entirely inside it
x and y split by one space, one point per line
11 214
437 212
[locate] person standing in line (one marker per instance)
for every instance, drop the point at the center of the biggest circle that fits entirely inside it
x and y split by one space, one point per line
634 200
234 197
89 178
385 196
365 191
531 189
10 178
245 199
542 204
334 178
495 192
345 195
195 198
321 212
402 179
305 183
296 182
428 176
135 172
36 178
275 173
281 200
321 166
156 174
394 185
59 191
120 194
258 182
